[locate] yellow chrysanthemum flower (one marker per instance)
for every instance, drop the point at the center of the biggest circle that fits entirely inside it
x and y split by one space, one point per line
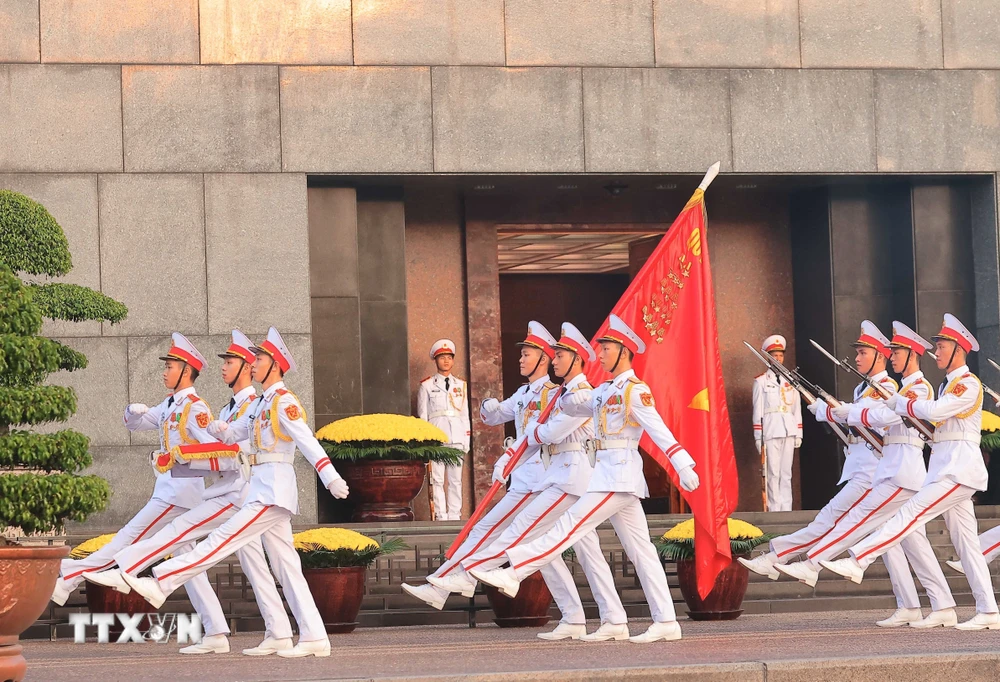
381 427
991 422
737 529
88 547
331 539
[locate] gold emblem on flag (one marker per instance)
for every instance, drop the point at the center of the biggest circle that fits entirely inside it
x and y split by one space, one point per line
658 313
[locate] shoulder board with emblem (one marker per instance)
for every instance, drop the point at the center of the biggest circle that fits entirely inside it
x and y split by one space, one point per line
550 384
424 379
282 391
759 376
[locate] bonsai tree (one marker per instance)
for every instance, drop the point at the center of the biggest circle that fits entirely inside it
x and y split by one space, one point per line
39 485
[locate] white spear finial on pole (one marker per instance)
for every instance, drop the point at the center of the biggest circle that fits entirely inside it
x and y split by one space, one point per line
709 176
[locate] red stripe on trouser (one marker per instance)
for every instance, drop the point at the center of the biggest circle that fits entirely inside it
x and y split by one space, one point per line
909 525
216 550
573 530
523 535
178 538
488 533
857 525
991 549
813 542
112 562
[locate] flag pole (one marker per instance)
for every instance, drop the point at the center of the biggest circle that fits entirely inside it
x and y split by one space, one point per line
710 174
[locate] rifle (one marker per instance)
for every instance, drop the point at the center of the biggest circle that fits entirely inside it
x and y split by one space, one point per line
925 428
763 462
993 394
874 439
516 450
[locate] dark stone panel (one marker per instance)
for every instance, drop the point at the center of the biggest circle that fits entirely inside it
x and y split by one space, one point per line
336 355
985 259
942 224
384 359
382 251
333 241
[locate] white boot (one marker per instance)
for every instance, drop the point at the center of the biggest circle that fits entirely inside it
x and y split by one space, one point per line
847 568
668 631
60 593
429 594
943 618
269 646
148 588
459 582
615 631
564 631
981 621
213 644
111 578
801 571
955 566
900 618
762 565
318 648
503 579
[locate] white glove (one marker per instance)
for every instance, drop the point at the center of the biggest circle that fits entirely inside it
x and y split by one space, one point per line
498 468
891 401
899 407
688 479
217 428
758 444
813 406
338 488
489 405
137 409
841 411
798 443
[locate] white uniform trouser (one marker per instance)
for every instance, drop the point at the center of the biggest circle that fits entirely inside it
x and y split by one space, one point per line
954 502
787 547
179 536
488 529
876 508
779 454
629 521
273 526
536 519
989 543
447 499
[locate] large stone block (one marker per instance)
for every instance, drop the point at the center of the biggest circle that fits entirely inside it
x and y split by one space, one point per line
243 212
201 118
568 33
337 349
60 118
802 121
120 31
153 252
656 120
381 250
750 33
429 32
333 241
145 377
938 120
72 201
347 119
127 471
19 28
384 361
970 31
882 34
508 120
286 32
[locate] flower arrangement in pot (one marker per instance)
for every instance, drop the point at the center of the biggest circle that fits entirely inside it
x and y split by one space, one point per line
101 599
334 561
383 458
725 599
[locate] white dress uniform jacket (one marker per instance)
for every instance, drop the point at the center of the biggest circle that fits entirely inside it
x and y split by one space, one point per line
447 409
777 408
564 436
525 405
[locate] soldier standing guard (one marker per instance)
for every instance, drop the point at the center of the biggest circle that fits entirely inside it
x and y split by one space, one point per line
777 427
443 400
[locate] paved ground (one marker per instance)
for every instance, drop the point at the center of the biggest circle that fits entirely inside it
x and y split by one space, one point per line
805 642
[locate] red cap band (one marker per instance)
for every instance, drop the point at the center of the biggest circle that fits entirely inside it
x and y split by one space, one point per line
240 351
539 343
573 345
912 344
443 350
949 333
183 355
774 346
628 343
273 351
871 341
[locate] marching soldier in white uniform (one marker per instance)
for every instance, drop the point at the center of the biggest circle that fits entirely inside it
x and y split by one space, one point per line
898 476
443 400
522 407
955 473
777 427
275 424
226 488
989 544
566 479
622 409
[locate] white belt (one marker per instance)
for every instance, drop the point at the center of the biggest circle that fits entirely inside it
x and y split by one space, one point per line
268 457
563 447
621 444
775 410
903 440
957 435
443 413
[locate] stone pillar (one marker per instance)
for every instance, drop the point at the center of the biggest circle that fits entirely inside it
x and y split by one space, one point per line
987 266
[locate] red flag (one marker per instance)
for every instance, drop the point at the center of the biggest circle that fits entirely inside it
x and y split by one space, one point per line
671 305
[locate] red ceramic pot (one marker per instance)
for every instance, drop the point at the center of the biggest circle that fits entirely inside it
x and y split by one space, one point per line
27 578
529 609
337 593
383 489
725 599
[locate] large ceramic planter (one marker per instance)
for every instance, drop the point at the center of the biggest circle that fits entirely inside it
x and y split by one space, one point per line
101 599
529 609
27 578
337 593
382 489
725 600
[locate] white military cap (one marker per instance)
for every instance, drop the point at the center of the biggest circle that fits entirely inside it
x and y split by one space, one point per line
619 332
275 346
773 342
871 337
904 337
572 340
442 346
239 348
540 338
183 350
953 330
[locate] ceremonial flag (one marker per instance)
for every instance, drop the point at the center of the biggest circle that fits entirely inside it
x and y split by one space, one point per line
671 305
